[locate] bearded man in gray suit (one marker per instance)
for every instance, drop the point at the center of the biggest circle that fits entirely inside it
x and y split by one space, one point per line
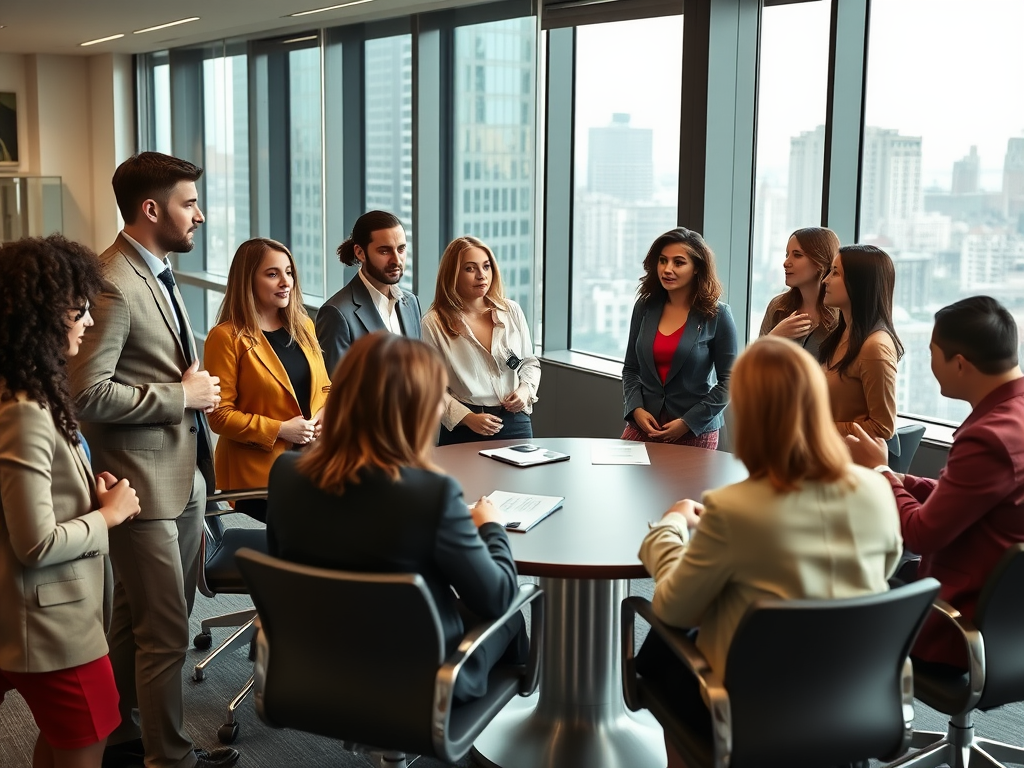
142 400
372 300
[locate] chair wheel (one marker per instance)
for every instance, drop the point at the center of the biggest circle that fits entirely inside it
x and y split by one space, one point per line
227 733
203 641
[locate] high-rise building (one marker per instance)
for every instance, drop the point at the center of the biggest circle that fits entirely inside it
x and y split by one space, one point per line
495 135
966 174
620 161
806 162
1013 177
890 180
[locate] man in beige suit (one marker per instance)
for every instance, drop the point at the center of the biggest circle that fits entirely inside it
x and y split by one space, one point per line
142 399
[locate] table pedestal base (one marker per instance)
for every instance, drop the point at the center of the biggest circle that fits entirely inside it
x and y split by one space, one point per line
578 718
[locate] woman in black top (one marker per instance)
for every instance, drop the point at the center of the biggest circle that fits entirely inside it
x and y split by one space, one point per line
272 375
366 497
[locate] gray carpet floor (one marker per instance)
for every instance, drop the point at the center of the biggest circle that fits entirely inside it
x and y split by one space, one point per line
264 747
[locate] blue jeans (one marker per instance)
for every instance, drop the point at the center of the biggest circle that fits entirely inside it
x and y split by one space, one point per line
517 426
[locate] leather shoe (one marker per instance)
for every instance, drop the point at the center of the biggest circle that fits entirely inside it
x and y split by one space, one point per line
222 757
127 754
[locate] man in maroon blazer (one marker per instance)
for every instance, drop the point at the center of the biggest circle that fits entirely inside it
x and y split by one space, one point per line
962 523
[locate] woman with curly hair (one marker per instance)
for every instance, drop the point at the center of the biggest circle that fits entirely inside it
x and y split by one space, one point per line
54 514
273 381
682 342
493 373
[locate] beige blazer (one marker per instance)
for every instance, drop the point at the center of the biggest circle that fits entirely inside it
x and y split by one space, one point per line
55 581
823 541
126 382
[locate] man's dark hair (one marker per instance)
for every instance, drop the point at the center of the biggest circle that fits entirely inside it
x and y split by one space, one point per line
149 175
981 330
362 234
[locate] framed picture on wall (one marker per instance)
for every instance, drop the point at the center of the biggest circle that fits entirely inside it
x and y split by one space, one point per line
8 128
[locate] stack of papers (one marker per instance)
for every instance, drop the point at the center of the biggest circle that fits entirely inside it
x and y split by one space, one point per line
521 511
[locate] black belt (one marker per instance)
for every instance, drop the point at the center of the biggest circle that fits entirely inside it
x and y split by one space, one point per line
493 410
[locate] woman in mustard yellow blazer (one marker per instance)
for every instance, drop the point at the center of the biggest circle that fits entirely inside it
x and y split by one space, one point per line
273 381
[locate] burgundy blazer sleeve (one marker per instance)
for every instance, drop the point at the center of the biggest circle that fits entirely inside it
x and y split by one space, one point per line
979 474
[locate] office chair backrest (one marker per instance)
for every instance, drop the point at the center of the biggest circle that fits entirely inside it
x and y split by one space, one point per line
352 656
1000 618
818 682
903 446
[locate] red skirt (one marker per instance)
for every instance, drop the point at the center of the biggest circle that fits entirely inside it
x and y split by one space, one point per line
74 707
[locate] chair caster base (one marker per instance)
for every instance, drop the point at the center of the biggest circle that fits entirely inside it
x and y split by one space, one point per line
203 641
227 733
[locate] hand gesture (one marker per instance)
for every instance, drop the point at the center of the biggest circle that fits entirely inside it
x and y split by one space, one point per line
297 430
673 430
483 423
118 500
795 326
484 512
515 402
645 421
318 423
689 509
865 450
202 391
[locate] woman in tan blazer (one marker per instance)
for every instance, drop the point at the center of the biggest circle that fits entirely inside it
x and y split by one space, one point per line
272 375
807 523
54 515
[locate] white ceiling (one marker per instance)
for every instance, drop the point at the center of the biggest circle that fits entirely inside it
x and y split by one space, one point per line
58 26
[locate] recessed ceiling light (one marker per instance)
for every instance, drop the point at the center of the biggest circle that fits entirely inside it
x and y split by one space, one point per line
298 39
328 8
101 40
168 24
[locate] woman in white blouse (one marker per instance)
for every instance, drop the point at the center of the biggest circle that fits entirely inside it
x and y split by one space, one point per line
484 339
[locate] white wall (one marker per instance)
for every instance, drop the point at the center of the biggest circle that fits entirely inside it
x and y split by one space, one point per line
76 121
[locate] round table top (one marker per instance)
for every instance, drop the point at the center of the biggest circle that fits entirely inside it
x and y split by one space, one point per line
597 533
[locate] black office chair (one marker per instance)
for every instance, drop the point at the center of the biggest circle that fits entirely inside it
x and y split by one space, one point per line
903 446
371 671
808 682
995 676
219 575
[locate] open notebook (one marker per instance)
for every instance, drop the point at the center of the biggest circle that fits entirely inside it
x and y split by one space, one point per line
524 455
521 511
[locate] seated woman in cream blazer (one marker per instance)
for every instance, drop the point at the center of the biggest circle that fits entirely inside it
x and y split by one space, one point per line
54 515
807 523
273 381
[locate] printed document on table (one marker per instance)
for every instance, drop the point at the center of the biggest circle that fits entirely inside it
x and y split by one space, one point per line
619 453
521 511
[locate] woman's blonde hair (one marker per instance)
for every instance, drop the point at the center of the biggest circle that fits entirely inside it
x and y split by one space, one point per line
239 307
782 419
382 412
447 303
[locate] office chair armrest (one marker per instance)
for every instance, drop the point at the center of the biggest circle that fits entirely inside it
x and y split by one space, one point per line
444 682
217 502
711 685
975 646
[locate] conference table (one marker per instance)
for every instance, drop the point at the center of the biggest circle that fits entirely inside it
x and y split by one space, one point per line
585 554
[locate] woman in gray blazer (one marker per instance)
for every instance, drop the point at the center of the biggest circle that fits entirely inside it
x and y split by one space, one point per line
682 343
54 515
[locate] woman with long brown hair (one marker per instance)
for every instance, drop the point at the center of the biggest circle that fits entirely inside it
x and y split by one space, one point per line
806 523
682 343
800 313
374 500
273 382
861 353
484 338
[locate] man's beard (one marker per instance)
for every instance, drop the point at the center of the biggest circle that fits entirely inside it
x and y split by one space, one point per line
173 241
381 276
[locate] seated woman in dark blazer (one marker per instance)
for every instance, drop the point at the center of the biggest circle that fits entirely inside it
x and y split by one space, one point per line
55 578
366 497
682 342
